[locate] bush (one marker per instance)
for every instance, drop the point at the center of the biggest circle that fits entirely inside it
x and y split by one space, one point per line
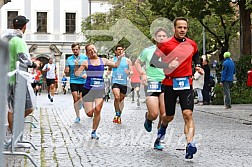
218 95
240 92
242 66
239 95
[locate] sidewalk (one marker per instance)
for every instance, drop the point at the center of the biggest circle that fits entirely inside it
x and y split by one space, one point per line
239 112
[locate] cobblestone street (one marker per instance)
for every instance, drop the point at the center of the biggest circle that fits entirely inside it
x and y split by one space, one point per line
223 137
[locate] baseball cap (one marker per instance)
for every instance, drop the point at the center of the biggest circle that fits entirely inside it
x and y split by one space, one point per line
227 54
20 21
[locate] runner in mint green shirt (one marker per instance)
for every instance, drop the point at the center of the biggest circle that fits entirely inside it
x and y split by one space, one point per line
152 79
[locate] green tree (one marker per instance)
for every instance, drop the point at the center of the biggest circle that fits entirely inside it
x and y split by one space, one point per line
249 4
245 8
138 12
218 17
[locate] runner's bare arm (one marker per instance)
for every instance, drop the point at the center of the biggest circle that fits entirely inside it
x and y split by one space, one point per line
138 65
79 69
130 66
110 63
66 71
139 68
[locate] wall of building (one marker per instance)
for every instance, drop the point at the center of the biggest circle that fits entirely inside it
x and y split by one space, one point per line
41 44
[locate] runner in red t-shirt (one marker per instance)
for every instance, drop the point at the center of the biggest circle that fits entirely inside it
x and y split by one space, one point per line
35 85
135 84
177 54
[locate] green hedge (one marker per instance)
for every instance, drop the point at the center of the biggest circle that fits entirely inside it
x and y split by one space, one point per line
240 93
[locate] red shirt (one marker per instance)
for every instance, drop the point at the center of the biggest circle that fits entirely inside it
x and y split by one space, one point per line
135 78
37 76
183 51
249 80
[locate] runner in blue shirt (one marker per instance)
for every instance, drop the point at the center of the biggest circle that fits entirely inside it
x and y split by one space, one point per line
76 82
119 81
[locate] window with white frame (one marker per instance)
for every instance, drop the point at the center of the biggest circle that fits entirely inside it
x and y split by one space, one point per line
10 16
70 22
42 22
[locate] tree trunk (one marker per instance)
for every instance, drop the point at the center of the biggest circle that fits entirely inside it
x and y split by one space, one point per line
245 28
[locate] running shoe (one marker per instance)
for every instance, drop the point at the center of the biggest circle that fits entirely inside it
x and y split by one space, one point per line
157 145
161 132
190 150
94 136
77 120
49 96
51 99
147 124
138 102
117 120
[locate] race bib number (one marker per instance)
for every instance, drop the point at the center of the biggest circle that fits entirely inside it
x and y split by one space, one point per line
118 76
96 82
181 83
154 87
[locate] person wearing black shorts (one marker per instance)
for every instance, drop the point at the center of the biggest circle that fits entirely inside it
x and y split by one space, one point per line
119 81
76 82
177 55
93 91
151 79
50 69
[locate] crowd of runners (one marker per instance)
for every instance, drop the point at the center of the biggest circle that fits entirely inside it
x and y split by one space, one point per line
164 70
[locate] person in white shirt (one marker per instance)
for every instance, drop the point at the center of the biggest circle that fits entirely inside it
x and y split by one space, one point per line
198 83
50 69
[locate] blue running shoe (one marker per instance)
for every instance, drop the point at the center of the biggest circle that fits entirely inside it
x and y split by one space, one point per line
77 120
157 145
49 96
94 136
147 124
190 150
161 132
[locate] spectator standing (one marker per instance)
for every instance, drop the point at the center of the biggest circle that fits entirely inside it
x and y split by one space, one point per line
227 78
206 87
18 52
198 84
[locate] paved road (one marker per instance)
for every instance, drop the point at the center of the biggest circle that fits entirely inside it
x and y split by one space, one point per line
223 137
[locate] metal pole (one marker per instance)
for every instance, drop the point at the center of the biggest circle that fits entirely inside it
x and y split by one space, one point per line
204 41
241 33
90 12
